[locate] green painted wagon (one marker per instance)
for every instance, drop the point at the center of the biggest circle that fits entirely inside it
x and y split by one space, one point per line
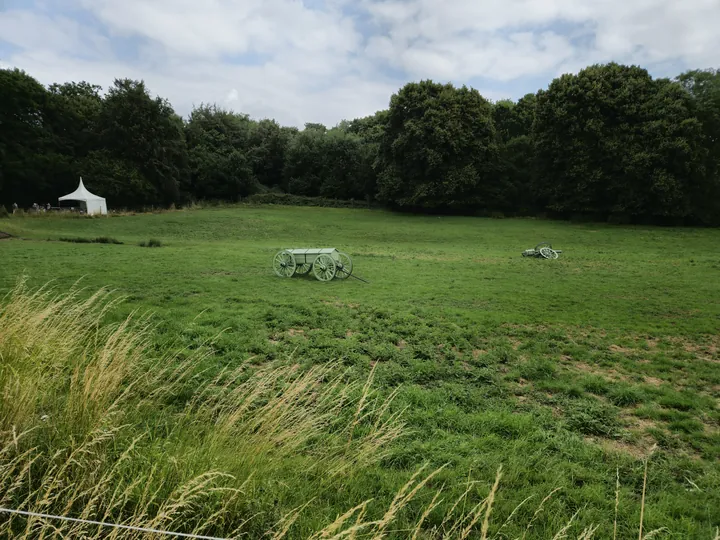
325 263
543 250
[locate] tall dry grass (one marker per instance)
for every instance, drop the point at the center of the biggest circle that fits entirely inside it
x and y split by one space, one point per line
91 426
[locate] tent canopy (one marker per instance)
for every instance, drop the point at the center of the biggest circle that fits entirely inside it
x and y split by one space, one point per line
94 203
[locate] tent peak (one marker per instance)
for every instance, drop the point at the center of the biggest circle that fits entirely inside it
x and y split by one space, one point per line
80 194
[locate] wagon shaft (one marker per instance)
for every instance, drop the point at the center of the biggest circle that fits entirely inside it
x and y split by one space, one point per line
325 263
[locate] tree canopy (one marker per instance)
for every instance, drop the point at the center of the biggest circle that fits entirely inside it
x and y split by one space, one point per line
438 149
608 142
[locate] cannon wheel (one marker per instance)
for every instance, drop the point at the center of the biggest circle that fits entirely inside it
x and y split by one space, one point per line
542 245
303 269
344 265
548 253
324 267
284 264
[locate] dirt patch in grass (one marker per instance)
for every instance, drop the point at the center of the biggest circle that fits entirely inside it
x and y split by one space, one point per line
619 349
296 332
637 450
515 343
608 373
654 381
402 344
640 424
339 304
705 351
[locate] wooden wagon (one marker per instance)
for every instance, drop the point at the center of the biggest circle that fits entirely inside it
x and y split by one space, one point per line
325 263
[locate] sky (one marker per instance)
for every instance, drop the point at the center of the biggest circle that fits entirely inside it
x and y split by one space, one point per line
323 61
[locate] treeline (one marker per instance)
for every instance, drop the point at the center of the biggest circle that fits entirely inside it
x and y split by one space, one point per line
608 143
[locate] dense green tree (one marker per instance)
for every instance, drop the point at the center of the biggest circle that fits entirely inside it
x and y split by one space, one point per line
72 114
268 143
514 119
438 149
305 163
320 128
343 176
146 132
119 181
370 128
611 140
219 154
25 140
704 89
513 125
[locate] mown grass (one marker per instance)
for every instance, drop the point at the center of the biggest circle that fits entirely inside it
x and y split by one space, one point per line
561 371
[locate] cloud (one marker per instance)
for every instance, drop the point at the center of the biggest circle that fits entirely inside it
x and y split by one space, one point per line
232 96
325 60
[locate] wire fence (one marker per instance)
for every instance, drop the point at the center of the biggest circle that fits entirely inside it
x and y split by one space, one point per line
104 524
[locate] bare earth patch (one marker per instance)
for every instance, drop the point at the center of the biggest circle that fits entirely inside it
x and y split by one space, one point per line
619 349
637 450
608 373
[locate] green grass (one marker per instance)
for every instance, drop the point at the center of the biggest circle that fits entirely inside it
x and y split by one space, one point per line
153 242
561 371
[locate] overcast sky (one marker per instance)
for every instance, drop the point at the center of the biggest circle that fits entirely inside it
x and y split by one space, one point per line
325 60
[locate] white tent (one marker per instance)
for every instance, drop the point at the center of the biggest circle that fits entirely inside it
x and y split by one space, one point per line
93 203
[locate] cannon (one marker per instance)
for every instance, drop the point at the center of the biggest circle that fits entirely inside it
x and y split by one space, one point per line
325 263
543 250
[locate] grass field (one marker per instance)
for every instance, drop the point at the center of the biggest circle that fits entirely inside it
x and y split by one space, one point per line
563 372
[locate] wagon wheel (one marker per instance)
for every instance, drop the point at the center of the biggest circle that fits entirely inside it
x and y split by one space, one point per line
303 269
284 264
548 253
324 267
344 265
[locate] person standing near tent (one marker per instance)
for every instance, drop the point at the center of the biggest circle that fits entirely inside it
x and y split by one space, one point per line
15 207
